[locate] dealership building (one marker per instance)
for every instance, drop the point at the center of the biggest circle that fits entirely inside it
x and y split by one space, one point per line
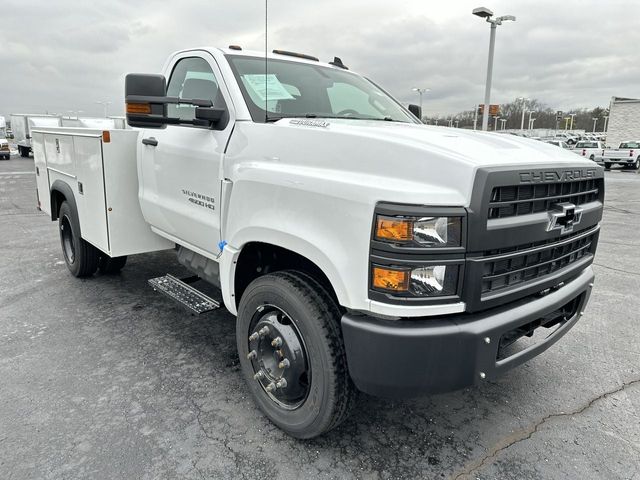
624 120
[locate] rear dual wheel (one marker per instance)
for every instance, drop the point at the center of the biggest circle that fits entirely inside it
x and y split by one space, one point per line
80 256
292 355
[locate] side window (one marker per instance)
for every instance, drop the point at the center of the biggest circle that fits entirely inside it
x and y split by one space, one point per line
192 78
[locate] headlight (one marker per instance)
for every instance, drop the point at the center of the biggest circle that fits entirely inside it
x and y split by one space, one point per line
425 281
423 231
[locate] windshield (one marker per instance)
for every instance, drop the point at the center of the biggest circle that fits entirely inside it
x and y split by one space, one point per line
630 145
295 89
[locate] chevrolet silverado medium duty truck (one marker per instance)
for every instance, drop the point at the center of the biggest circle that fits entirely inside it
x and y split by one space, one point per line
358 248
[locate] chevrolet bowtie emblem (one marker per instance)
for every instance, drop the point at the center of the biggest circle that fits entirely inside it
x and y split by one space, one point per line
563 217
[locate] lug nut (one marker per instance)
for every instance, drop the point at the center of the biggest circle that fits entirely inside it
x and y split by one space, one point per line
483 375
263 331
487 340
284 363
282 383
252 354
271 387
259 375
277 342
254 336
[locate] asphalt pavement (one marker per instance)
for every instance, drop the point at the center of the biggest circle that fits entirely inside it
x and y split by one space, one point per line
104 379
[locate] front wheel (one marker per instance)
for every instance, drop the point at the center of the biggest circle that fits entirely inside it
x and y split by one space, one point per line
607 166
292 354
80 256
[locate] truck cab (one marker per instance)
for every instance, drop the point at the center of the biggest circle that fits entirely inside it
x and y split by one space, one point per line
359 249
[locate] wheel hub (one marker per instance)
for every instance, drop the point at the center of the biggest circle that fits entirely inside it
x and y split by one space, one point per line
278 356
67 240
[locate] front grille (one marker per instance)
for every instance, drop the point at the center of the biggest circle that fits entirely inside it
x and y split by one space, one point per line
514 200
505 271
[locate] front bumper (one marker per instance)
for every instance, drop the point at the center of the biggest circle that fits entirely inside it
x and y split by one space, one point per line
406 358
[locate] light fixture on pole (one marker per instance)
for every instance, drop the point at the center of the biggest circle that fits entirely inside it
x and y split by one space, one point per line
595 120
105 105
485 13
531 112
524 104
420 92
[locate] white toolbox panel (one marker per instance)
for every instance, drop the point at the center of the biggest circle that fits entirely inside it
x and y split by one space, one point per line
103 176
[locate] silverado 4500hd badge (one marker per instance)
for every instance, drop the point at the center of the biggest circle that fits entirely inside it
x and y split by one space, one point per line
205 201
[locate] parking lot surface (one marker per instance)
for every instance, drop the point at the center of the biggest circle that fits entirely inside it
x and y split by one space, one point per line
104 379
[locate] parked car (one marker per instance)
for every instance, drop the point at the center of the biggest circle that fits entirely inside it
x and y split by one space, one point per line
559 143
568 138
627 154
5 152
357 247
590 149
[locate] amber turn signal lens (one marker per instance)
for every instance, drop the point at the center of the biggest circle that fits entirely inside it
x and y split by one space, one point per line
139 108
394 229
387 279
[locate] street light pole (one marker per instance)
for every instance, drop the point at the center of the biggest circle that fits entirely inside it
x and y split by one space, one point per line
595 120
606 122
105 105
524 102
420 92
495 127
485 13
572 115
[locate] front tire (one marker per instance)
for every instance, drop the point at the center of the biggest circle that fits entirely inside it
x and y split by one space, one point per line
636 165
607 166
302 328
80 256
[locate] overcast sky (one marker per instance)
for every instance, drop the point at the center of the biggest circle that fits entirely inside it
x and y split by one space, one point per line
61 55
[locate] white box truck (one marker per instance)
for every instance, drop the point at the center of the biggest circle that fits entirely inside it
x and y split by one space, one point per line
22 125
358 248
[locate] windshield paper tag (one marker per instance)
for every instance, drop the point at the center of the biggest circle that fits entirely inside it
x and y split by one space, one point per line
272 89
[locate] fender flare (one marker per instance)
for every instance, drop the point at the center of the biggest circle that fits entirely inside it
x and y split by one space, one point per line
67 192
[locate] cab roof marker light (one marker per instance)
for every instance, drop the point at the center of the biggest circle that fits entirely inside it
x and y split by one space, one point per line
297 55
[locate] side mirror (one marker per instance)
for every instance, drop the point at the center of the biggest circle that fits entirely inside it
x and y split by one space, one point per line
210 114
145 96
416 110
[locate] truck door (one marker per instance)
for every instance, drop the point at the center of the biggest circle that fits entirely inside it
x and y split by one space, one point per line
180 165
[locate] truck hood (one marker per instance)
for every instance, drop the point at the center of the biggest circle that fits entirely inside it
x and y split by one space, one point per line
475 148
373 161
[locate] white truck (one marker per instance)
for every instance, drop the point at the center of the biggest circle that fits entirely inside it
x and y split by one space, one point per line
627 154
22 124
591 149
358 248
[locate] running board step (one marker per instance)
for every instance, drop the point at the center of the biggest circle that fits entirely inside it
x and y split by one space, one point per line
187 296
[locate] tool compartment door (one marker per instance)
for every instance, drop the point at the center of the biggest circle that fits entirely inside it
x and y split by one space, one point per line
42 175
90 190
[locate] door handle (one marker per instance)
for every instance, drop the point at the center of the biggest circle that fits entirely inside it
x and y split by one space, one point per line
150 141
